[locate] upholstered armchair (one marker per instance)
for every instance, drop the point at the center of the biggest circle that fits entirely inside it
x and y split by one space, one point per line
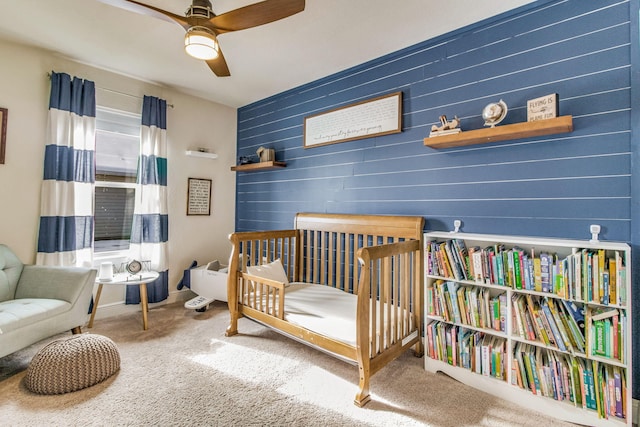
37 302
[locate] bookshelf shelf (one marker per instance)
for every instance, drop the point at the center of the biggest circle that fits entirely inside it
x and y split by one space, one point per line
556 125
261 166
551 336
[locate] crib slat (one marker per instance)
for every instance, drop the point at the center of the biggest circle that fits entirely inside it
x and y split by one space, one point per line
322 257
397 297
340 260
352 257
331 267
408 260
307 255
374 297
388 289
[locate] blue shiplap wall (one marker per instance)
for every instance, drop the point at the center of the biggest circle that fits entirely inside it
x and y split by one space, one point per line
552 186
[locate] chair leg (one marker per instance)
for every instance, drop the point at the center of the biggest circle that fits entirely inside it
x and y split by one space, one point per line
76 330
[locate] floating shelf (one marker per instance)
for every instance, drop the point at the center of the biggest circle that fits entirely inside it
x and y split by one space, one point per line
250 167
204 154
556 125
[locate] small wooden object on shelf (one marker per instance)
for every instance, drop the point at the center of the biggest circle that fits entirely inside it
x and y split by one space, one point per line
251 167
556 125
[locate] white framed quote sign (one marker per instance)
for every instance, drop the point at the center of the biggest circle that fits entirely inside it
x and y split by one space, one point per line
199 196
373 117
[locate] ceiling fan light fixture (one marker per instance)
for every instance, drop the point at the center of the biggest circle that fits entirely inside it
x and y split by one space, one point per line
201 43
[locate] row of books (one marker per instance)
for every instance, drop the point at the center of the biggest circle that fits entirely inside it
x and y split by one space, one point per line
597 276
458 346
607 331
554 322
586 383
468 305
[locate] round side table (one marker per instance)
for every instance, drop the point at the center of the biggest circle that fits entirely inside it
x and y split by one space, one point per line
127 279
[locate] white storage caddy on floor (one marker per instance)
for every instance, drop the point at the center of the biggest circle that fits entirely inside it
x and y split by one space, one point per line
210 283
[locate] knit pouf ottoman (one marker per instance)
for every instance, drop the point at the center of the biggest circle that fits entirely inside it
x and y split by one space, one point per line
72 363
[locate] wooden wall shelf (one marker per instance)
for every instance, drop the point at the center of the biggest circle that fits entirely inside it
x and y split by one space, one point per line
253 167
556 125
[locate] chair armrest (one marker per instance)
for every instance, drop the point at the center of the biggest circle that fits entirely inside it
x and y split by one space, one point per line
63 283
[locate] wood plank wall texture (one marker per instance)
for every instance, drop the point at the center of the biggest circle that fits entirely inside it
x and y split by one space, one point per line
553 186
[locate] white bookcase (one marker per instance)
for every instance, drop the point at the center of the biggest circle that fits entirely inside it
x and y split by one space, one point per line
499 334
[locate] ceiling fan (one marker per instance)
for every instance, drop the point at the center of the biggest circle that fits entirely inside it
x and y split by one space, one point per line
203 26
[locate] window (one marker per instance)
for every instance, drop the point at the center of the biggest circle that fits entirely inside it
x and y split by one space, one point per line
117 148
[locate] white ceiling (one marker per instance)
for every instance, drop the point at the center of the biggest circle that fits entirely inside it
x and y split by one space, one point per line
327 37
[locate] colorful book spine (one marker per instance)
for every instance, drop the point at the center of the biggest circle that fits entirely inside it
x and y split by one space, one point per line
552 324
517 268
545 272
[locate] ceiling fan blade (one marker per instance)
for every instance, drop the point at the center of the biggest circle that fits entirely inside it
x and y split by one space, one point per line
145 9
255 14
219 65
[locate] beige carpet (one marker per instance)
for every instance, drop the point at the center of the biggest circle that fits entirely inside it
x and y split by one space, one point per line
183 371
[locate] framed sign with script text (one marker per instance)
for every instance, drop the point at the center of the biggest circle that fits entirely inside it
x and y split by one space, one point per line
373 117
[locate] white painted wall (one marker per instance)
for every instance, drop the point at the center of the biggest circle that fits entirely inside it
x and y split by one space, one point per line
193 122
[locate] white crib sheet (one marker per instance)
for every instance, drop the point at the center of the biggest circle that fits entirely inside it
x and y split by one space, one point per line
322 309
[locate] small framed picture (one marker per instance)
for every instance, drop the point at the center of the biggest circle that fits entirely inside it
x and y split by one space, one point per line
199 196
545 107
3 133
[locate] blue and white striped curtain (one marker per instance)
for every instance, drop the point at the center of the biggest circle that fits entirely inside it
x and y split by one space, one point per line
150 230
66 202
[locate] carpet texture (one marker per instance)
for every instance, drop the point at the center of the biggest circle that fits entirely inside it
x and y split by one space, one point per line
183 371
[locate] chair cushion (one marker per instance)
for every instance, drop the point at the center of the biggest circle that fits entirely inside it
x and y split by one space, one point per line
18 313
72 363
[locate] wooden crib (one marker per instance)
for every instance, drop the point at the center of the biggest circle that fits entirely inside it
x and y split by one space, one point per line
362 274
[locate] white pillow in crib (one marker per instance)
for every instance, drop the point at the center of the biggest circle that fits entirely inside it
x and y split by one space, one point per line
273 271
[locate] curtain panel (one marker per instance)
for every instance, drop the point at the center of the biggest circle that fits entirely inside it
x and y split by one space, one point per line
66 214
150 230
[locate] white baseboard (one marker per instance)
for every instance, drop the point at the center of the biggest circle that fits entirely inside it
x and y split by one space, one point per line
120 308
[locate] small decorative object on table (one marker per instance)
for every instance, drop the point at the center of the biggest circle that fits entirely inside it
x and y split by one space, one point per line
446 127
494 113
106 271
134 267
545 107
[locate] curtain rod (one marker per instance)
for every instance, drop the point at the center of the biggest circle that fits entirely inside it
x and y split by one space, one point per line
115 91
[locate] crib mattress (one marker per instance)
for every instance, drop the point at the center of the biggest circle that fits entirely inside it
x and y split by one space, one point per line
322 309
